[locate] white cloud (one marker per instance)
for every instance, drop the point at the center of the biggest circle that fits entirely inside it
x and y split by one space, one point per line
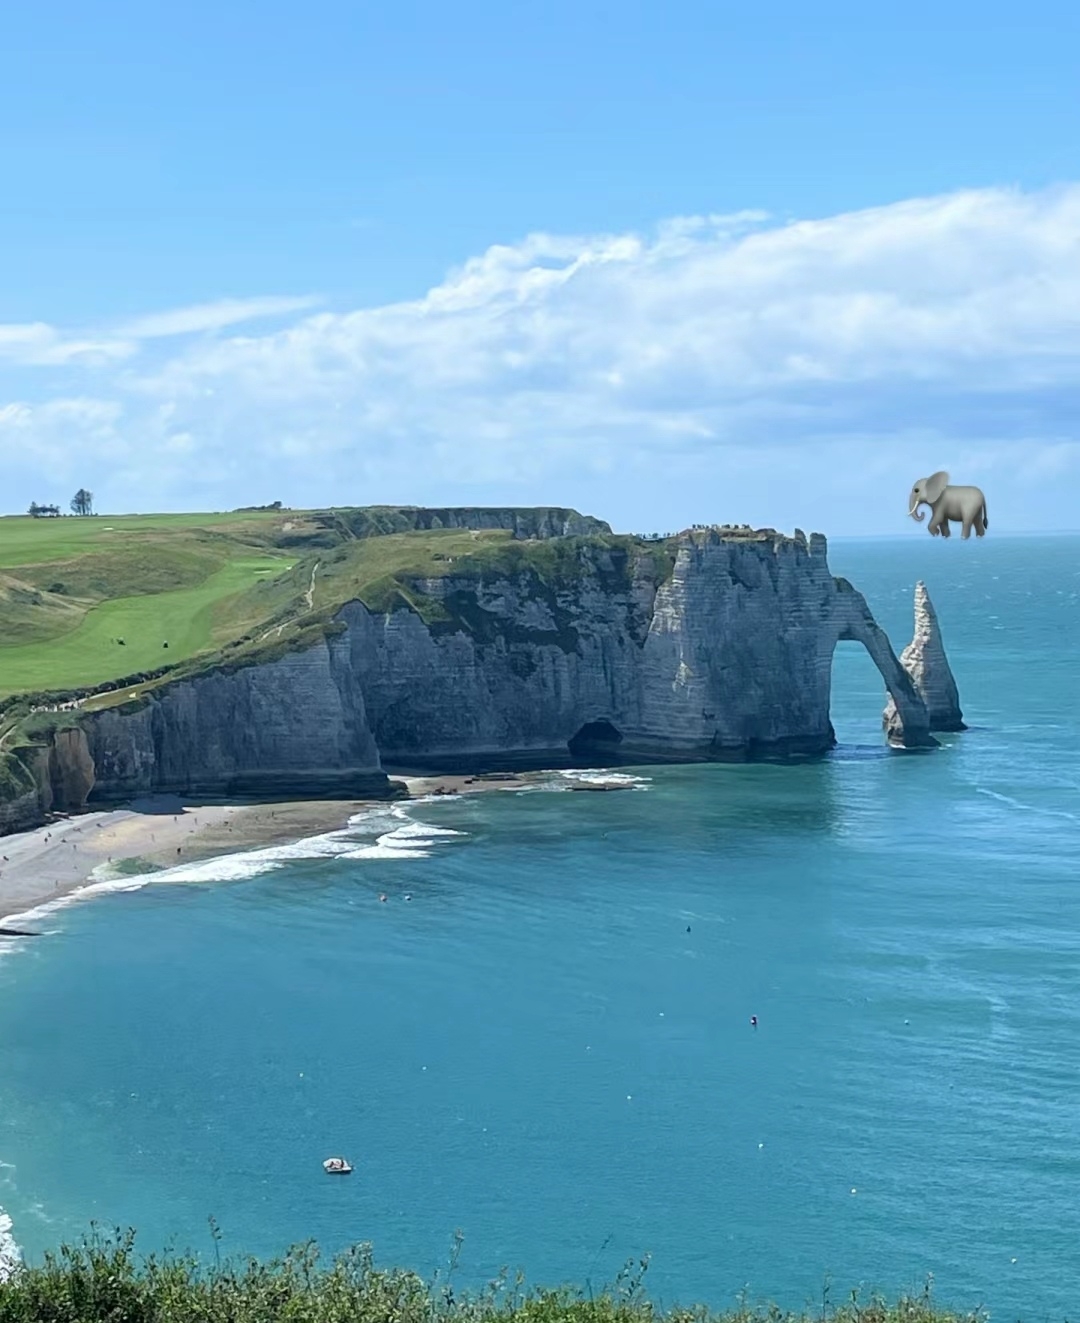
881 341
212 316
36 344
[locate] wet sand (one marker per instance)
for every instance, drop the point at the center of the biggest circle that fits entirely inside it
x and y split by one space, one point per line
161 832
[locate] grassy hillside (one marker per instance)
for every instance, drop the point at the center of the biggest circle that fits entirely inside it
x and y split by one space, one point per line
92 602
72 589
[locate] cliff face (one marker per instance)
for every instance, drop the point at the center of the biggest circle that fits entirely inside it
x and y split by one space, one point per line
58 775
719 647
730 657
545 521
293 726
925 661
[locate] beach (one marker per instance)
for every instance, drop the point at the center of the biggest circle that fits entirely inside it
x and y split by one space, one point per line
162 831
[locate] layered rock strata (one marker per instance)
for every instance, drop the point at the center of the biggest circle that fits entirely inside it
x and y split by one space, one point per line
925 661
716 646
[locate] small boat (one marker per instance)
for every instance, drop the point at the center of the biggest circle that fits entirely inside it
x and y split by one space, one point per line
336 1167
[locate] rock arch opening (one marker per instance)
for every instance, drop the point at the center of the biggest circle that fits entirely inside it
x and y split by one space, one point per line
596 739
910 726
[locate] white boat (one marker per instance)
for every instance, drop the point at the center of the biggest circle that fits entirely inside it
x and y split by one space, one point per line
336 1167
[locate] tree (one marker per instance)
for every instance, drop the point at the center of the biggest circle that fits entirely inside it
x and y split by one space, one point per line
82 503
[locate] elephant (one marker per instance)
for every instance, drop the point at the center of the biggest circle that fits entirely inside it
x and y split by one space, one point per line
967 505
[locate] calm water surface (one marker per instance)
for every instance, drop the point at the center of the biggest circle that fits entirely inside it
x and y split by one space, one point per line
549 1045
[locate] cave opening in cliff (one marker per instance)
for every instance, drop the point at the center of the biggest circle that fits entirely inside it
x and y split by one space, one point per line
596 739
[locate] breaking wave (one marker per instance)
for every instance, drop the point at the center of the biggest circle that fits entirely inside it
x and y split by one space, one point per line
379 833
10 1258
600 777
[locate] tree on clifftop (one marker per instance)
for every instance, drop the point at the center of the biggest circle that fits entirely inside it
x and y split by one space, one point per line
82 503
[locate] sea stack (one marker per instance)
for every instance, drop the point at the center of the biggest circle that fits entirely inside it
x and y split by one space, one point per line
925 661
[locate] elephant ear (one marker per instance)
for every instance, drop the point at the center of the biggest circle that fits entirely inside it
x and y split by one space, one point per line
935 485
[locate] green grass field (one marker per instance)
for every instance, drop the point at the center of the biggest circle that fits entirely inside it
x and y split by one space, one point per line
26 541
190 620
71 588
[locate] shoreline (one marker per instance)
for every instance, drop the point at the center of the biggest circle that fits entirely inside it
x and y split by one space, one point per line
68 856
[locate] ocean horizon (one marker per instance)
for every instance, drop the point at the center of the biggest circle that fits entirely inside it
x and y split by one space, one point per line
543 1035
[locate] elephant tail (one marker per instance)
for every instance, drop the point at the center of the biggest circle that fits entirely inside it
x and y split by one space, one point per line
986 522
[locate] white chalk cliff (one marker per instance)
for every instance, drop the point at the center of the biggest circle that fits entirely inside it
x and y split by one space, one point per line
717 645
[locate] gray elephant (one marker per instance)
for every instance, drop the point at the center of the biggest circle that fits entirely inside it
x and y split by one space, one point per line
966 505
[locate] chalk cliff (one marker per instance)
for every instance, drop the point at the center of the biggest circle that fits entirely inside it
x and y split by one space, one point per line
725 654
715 645
925 661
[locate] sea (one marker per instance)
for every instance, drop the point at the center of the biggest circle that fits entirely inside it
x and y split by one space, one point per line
542 1037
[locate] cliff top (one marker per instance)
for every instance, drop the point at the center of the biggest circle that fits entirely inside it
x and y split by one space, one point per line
98 609
88 601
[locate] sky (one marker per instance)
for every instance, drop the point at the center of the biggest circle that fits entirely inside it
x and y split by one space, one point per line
669 263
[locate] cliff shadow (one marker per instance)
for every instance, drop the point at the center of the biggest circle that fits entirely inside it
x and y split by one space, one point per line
595 740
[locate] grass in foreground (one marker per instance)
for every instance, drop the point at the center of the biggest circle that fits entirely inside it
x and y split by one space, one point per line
102 1281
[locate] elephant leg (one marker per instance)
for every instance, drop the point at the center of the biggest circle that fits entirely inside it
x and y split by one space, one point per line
945 528
980 526
966 531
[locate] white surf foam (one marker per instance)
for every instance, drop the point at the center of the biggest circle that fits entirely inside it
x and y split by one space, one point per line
408 838
10 1257
98 886
412 840
601 777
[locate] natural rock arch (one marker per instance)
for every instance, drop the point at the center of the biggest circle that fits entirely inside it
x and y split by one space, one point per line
911 727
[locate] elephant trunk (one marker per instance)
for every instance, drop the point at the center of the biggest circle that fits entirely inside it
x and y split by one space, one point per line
916 513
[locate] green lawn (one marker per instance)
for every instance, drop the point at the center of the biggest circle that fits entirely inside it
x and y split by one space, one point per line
25 541
90 655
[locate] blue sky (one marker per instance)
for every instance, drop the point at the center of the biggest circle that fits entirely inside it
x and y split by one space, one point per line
667 262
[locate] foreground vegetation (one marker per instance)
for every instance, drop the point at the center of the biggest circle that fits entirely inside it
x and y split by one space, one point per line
102 1281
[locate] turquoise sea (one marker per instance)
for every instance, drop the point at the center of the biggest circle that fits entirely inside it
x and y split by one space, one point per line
549 1045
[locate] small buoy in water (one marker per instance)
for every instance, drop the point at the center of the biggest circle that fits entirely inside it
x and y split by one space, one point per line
761 1146
753 1020
408 895
629 1096
853 1190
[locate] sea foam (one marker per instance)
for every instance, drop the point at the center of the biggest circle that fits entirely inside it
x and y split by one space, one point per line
10 1258
407 838
602 777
